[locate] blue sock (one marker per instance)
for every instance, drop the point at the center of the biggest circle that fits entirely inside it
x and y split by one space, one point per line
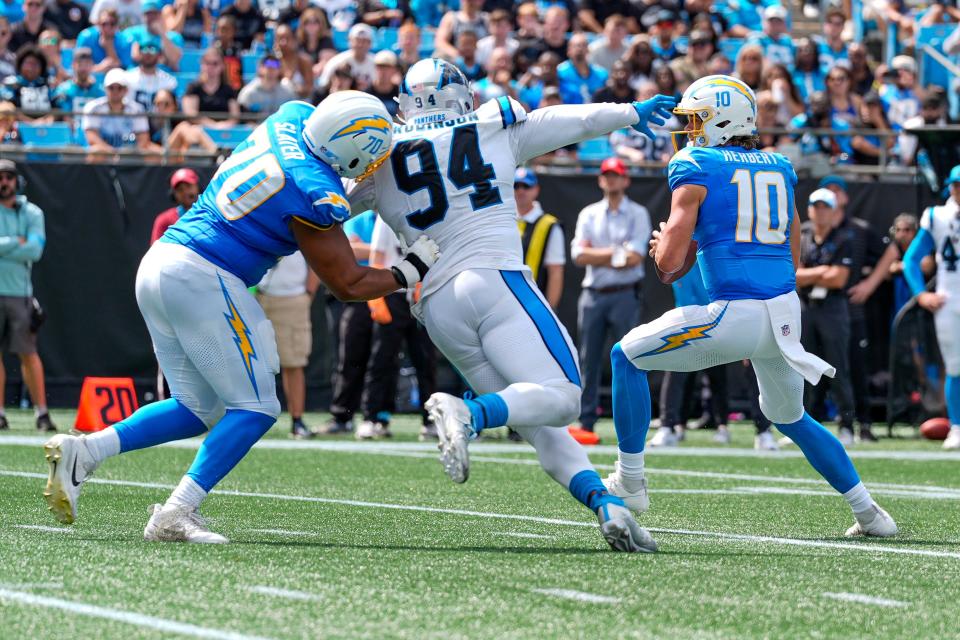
951 389
823 451
226 445
157 423
587 487
631 402
487 411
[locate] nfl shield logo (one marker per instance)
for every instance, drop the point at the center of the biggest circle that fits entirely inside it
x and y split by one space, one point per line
785 330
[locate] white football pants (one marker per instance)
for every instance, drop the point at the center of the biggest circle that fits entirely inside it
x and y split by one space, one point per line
947 321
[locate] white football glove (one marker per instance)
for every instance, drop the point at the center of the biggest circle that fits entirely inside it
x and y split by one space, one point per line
419 258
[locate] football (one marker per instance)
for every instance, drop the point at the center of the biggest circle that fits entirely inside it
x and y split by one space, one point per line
668 278
935 429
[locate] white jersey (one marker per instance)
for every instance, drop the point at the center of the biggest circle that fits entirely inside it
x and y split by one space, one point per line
453 180
943 225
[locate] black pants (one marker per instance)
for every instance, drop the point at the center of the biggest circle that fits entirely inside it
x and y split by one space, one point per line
676 396
356 329
381 382
760 421
859 370
826 333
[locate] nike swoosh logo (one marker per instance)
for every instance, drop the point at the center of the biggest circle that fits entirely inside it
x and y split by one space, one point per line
73 474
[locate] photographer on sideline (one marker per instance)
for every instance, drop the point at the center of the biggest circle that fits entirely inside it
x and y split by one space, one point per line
22 239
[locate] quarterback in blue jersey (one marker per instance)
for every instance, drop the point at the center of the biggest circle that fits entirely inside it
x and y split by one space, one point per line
279 191
736 203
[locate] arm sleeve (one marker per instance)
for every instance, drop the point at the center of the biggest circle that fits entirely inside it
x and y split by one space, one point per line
921 246
550 128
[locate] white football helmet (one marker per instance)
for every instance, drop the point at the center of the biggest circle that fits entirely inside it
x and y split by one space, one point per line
434 90
720 107
351 131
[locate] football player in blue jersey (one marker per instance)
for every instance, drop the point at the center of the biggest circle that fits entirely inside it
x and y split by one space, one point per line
737 203
280 190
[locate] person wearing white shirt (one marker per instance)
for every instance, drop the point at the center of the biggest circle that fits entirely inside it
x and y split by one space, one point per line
500 25
357 57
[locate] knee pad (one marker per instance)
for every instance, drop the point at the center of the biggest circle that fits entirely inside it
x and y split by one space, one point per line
786 413
209 413
568 406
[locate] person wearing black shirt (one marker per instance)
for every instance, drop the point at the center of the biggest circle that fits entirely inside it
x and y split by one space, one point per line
826 258
249 22
28 30
618 87
28 90
210 92
69 17
594 13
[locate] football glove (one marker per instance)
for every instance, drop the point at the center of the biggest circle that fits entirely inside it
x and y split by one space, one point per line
657 110
414 266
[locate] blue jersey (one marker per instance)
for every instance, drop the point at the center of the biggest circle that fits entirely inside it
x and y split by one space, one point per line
241 221
743 227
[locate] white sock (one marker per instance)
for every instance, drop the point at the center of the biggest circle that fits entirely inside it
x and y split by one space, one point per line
187 494
103 444
859 498
39 410
631 464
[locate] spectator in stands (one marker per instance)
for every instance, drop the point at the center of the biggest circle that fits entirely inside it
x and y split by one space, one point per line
832 48
129 12
287 13
538 78
190 18
549 98
900 99
696 63
22 235
69 17
386 85
578 79
110 48
844 103
745 16
749 66
49 44
383 13
635 147
250 24
341 80
74 94
529 35
469 16
265 93
408 46
225 42
612 46
153 31
775 39
29 89
933 112
107 134
662 27
210 93
28 30
500 27
869 149
314 38
180 134
861 69
594 15
701 12
499 79
144 80
835 147
640 59
357 57
9 127
8 61
556 24
295 66
467 60
665 79
808 74
777 80
617 87
767 110
720 65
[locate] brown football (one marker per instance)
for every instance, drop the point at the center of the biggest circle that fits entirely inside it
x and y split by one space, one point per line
668 278
935 429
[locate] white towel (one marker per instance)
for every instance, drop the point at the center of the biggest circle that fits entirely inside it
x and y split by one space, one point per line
784 313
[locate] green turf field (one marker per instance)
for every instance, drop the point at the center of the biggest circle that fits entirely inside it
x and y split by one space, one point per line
335 539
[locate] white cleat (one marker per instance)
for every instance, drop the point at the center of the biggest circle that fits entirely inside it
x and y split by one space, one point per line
875 522
764 442
170 523
633 492
70 465
722 436
366 431
452 418
664 437
622 532
953 438
845 436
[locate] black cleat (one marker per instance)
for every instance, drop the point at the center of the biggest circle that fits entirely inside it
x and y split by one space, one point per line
45 424
300 431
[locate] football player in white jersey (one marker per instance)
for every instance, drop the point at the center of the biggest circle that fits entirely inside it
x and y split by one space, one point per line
940 232
450 177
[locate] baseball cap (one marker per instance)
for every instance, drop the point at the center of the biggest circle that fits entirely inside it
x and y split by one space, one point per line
830 181
775 11
824 196
150 47
904 63
525 176
385 58
151 5
953 177
183 175
361 30
613 165
115 76
8 166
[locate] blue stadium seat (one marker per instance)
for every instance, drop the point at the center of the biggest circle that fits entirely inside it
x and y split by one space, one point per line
229 137
340 40
730 47
40 136
66 58
248 64
386 38
190 61
595 150
427 40
931 71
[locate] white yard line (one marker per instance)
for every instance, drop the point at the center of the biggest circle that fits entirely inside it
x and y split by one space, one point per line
521 534
865 599
32 585
289 594
872 548
282 532
41 527
580 596
119 615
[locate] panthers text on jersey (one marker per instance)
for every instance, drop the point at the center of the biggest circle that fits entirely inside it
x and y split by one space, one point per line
943 225
453 179
743 228
241 221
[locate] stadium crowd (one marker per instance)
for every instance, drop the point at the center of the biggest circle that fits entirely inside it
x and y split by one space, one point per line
180 60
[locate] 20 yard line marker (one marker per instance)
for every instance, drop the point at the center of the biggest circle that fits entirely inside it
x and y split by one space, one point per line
118 615
580 596
865 599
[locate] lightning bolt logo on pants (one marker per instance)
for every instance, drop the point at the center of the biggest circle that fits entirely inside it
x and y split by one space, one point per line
241 336
685 336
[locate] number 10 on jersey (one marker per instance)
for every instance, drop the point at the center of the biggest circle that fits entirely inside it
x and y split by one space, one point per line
759 217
